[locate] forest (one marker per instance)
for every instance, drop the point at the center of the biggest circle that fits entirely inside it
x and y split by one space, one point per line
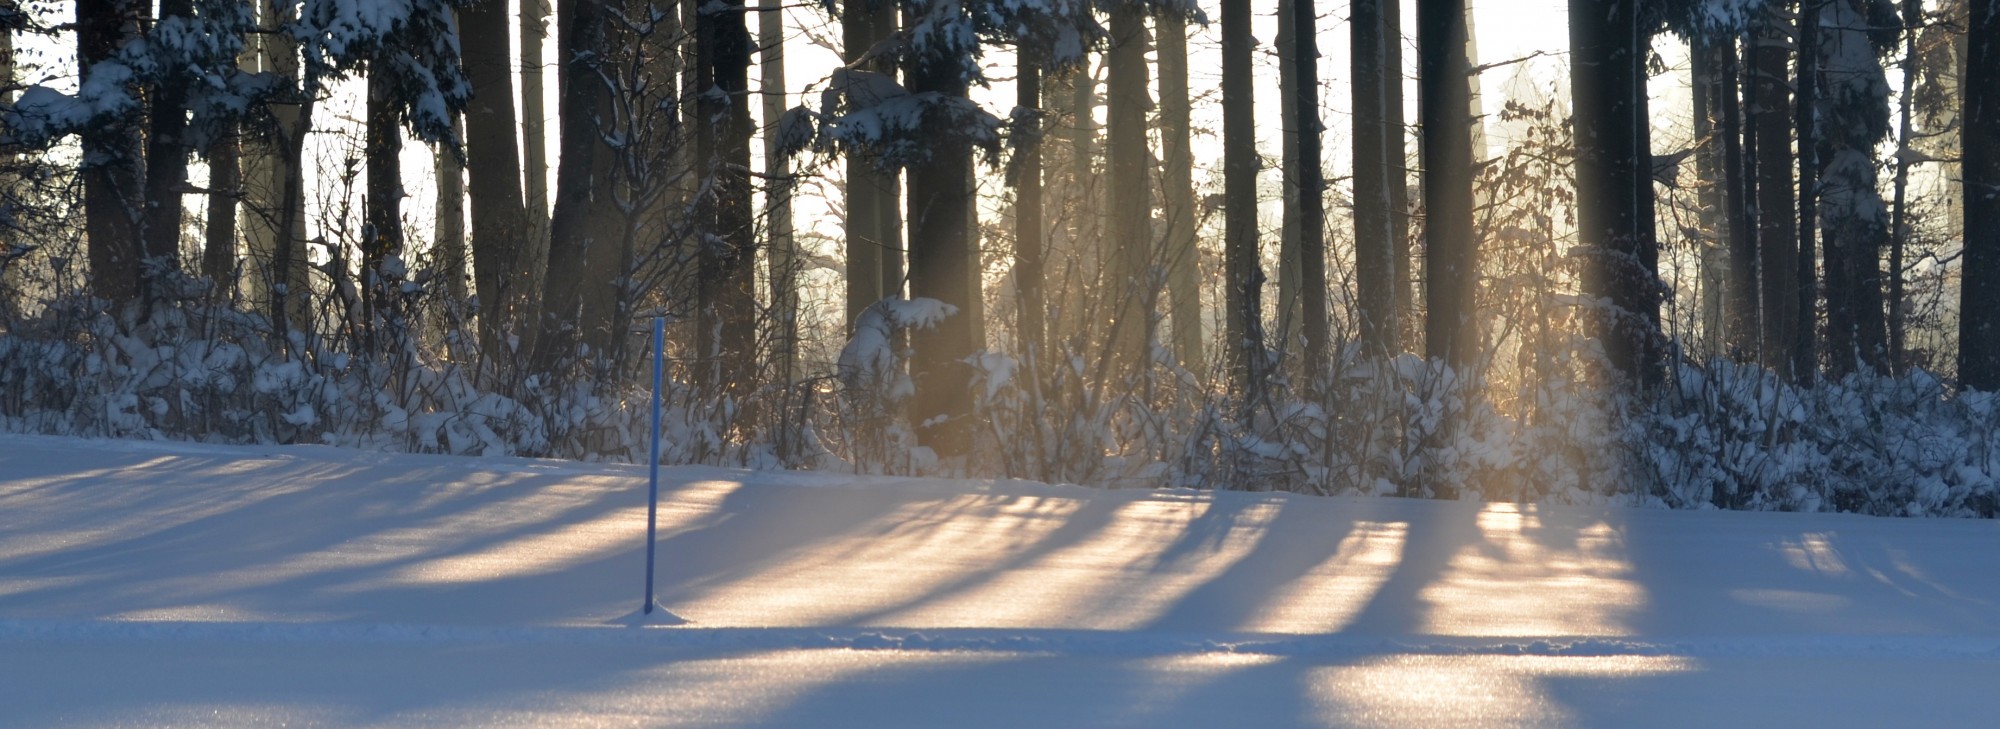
1736 254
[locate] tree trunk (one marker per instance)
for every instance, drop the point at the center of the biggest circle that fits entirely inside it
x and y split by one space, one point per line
1395 146
1805 348
1708 156
1243 329
1312 194
726 337
1979 307
534 254
1777 233
1741 320
1128 192
1183 254
1291 305
167 151
448 252
1374 165
783 252
110 169
1899 228
1028 244
225 185
382 234
499 217
869 190
274 218
1451 259
585 268
1605 84
941 262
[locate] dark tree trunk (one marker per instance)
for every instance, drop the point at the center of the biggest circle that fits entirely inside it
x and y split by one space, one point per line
1374 165
1777 233
864 184
1805 349
225 187
1451 259
493 163
1129 192
1243 329
110 170
1708 156
1312 193
726 300
167 151
1740 290
1394 146
1899 228
1605 84
1028 243
383 234
1979 307
585 267
941 262
1183 256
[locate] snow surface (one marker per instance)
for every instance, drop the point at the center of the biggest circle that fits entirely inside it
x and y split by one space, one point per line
153 584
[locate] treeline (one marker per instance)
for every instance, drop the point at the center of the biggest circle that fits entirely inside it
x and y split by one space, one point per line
1573 316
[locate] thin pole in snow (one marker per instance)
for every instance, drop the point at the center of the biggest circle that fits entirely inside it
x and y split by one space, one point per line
653 457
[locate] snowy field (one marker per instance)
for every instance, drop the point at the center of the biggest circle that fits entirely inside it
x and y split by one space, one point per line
147 584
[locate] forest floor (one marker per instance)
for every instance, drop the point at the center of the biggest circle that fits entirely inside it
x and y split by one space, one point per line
163 584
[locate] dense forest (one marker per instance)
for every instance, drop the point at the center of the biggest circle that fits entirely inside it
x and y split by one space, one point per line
211 229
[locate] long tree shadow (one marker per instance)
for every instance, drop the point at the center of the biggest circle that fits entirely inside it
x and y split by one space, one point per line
1429 546
1293 542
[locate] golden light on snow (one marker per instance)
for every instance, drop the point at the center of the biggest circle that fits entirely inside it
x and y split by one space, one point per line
1329 596
1521 578
1484 691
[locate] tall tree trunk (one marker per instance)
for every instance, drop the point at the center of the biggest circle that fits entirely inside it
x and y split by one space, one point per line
1979 293
225 186
1128 189
1853 215
110 170
1374 241
1777 233
1899 228
866 185
1291 305
726 306
1605 85
167 151
1805 348
1708 156
499 216
1741 323
448 252
783 251
382 235
1451 259
1394 145
532 257
941 263
274 219
1243 328
1312 193
1029 246
581 259
1183 256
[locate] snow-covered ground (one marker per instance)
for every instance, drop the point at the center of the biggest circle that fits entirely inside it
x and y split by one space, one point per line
149 584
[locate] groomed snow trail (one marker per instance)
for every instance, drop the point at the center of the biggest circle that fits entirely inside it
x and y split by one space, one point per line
182 585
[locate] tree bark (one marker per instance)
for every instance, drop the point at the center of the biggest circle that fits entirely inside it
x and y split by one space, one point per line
500 226
448 252
1777 232
1708 156
1183 255
1374 240
585 268
1290 304
783 249
274 188
1605 85
1395 146
112 180
1899 228
1979 295
1243 328
941 262
1029 245
167 151
1451 260
1741 307
1805 346
726 305
1129 192
534 26
1312 194
225 186
382 234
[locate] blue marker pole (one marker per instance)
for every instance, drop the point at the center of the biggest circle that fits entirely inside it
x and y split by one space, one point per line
653 456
